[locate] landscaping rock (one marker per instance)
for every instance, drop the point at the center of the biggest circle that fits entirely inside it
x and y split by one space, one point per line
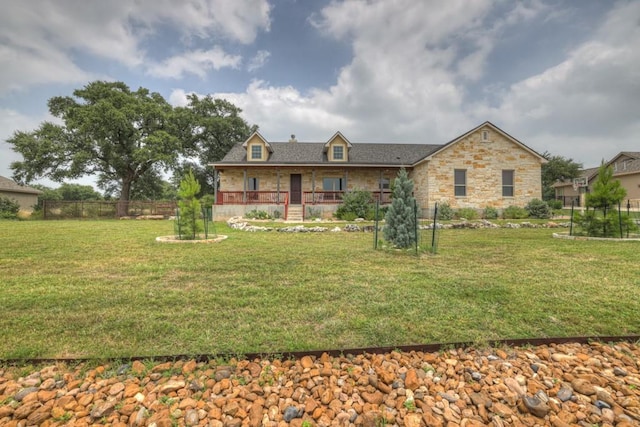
572 385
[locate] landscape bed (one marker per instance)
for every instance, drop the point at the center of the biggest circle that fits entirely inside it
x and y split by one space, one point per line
108 289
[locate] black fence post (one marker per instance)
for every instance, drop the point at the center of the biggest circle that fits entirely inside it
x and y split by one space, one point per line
433 230
571 223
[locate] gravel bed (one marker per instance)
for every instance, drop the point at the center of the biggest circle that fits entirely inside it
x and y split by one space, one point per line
559 385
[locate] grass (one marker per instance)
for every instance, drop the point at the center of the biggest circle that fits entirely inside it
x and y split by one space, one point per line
107 289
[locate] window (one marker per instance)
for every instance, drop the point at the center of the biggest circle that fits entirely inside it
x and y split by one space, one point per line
460 182
485 135
332 184
507 183
253 184
384 183
256 152
338 152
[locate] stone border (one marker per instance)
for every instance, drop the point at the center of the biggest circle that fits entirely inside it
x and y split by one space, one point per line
609 239
174 239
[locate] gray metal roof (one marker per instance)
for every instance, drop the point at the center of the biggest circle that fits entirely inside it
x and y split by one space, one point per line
10 186
312 153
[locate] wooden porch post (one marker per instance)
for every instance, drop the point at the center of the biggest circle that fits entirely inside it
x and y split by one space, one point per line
313 186
346 176
244 186
278 185
215 185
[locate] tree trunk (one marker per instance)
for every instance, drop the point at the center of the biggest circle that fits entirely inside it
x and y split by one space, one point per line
123 202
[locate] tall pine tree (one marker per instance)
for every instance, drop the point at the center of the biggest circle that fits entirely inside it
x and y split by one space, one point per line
400 219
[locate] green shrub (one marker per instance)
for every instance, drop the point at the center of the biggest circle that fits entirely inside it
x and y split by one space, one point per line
355 204
256 214
9 208
593 223
371 214
555 204
467 213
277 214
490 213
313 213
514 212
208 200
536 208
445 212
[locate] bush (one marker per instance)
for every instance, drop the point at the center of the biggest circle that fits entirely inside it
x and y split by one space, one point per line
514 212
313 213
490 213
555 204
444 211
256 214
593 223
536 208
9 208
355 204
467 213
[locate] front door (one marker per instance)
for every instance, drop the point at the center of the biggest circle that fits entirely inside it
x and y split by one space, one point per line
295 192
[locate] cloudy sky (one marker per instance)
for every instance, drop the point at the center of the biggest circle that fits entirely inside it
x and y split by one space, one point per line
561 76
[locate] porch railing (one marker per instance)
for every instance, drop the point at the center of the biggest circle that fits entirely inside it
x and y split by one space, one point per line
251 197
335 197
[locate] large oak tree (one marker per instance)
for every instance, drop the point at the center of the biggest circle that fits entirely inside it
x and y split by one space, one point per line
125 137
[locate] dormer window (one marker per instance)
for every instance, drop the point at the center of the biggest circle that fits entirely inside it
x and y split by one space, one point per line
256 152
338 152
485 136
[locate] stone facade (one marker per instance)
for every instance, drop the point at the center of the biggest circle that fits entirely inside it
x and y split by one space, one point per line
483 161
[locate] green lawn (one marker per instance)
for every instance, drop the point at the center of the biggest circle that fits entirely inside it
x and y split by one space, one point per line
107 289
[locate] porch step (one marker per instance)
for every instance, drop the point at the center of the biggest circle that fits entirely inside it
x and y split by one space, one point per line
294 213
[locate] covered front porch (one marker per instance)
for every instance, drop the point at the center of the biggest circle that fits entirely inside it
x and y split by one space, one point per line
296 193
272 201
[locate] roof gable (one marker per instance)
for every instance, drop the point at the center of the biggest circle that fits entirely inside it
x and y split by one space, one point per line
490 126
337 137
257 135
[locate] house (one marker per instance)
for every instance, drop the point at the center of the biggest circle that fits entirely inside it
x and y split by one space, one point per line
483 167
626 169
26 197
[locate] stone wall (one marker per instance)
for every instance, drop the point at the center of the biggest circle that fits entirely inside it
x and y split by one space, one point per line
484 162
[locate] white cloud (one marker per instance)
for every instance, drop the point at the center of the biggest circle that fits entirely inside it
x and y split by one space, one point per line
43 39
197 62
588 100
259 60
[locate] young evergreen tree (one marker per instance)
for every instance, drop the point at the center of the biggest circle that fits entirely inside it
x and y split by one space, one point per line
189 206
400 218
607 193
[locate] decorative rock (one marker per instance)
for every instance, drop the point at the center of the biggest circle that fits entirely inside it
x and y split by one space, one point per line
290 413
171 386
103 409
411 380
191 417
564 394
514 386
19 396
583 387
536 406
618 371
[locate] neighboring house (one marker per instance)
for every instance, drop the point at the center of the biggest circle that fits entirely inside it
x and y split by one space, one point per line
483 167
26 197
626 169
